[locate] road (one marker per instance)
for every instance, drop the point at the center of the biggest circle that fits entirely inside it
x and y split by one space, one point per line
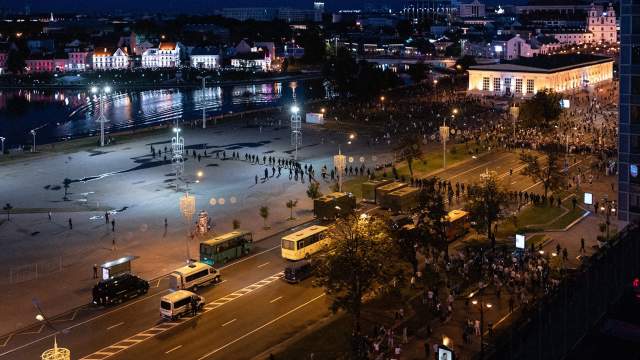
252 310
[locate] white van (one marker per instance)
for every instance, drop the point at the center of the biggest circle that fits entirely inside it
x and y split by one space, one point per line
179 303
192 276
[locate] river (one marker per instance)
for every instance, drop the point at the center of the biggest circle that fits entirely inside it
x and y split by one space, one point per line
59 115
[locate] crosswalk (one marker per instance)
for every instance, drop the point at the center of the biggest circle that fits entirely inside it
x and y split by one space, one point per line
162 327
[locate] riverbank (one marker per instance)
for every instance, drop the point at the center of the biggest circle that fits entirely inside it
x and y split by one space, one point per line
168 85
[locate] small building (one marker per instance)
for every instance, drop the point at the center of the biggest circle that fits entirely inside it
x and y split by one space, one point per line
205 58
526 76
166 55
570 36
110 59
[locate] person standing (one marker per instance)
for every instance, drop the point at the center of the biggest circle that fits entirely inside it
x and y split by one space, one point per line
106 217
113 226
95 271
70 224
582 250
50 218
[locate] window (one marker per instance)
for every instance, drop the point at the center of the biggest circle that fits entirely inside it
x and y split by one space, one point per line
301 244
635 85
197 275
496 84
288 245
635 55
485 84
635 143
182 302
530 86
518 85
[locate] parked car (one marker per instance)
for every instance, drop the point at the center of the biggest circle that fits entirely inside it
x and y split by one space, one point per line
118 289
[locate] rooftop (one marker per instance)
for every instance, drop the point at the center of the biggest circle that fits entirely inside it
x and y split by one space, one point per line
546 63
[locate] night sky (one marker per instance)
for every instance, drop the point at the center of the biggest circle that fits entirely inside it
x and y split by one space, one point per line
186 6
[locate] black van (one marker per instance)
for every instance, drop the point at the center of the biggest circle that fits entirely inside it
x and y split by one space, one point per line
118 289
298 271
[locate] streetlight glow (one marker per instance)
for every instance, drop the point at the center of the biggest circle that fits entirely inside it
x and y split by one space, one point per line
94 90
107 89
295 109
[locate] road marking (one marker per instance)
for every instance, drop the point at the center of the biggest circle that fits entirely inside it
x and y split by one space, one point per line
116 325
174 349
160 328
4 343
158 283
249 257
276 299
265 264
477 167
228 322
261 327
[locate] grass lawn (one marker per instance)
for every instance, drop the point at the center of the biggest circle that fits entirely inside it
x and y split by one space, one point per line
567 218
532 215
432 161
354 186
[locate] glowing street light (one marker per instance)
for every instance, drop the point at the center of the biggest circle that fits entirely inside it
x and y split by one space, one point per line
296 129
101 118
2 139
33 132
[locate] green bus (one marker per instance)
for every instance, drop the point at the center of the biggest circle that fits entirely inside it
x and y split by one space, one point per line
224 248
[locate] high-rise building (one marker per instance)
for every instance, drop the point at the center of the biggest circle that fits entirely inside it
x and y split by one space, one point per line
629 121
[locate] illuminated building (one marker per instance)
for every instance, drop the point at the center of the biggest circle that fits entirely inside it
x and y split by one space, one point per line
526 76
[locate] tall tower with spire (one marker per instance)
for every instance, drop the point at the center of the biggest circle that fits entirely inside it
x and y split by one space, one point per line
603 26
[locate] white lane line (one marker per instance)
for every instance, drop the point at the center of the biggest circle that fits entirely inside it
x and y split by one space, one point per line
158 283
263 265
116 325
250 257
261 327
276 299
228 322
477 167
174 349
65 330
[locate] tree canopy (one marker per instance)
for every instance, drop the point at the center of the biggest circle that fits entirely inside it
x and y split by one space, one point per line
541 111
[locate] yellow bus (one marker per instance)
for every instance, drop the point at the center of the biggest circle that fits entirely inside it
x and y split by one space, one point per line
457 224
304 243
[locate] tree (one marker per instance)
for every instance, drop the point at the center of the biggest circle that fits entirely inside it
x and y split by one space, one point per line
15 61
418 71
235 224
409 148
541 111
549 173
313 191
432 213
264 214
485 204
359 261
8 209
290 205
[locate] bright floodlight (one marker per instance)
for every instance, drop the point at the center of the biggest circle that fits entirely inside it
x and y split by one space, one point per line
94 89
176 129
352 136
39 317
199 173
295 109
107 89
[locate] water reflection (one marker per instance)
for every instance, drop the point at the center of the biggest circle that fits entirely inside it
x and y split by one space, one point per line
64 114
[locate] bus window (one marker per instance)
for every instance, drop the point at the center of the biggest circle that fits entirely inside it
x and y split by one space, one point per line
300 244
288 244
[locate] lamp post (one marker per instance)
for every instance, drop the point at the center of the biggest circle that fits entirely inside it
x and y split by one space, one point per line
33 148
177 148
296 129
204 107
340 162
482 305
444 135
101 118
187 209
2 139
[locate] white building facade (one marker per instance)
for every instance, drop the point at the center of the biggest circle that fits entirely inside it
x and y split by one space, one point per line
106 59
603 25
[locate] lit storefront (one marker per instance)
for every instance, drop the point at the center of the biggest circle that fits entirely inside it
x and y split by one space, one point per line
526 76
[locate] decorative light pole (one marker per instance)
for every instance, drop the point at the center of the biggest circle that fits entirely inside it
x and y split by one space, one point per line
177 147
101 118
444 135
340 162
2 139
56 353
296 129
33 148
187 209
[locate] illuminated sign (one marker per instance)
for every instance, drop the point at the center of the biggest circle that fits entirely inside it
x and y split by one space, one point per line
520 240
588 198
498 48
633 170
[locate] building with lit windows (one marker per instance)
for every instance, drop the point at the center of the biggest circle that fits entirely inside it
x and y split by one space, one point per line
629 113
166 55
526 76
110 59
603 25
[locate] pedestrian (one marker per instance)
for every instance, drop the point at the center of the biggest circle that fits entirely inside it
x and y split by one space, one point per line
113 226
194 306
70 224
565 254
95 271
582 250
476 327
256 179
49 215
106 217
165 224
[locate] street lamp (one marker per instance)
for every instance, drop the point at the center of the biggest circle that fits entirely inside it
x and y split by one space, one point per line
101 118
177 148
33 132
296 129
482 305
340 162
444 135
2 139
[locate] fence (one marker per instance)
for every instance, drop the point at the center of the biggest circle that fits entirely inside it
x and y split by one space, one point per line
35 270
551 327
